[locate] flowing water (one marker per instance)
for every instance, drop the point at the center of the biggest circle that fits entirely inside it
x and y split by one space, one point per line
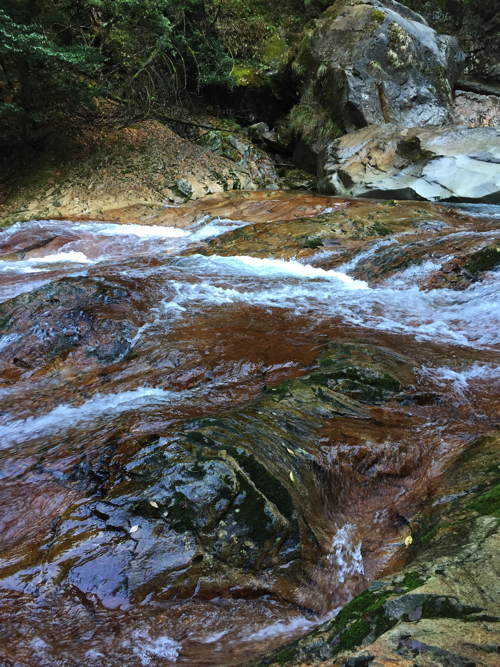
141 329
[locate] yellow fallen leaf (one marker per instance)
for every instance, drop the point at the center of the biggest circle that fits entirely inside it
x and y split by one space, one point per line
153 504
133 529
291 477
408 540
290 451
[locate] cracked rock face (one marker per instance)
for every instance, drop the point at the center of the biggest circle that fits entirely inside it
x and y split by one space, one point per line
374 62
451 163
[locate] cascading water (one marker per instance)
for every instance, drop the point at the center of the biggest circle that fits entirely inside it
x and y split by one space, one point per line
123 345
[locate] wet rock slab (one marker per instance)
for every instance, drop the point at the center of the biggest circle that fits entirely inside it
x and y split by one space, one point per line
229 503
443 608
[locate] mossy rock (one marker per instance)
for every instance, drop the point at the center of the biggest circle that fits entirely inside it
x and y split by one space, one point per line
296 179
251 75
483 260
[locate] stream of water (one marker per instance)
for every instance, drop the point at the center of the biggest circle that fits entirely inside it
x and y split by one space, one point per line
177 335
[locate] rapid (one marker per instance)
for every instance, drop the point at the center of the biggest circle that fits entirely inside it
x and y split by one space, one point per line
117 340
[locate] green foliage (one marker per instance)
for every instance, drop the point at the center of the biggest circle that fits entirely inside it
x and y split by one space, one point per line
39 70
55 54
312 122
157 48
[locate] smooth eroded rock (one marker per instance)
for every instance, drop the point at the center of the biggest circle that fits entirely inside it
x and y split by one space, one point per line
453 163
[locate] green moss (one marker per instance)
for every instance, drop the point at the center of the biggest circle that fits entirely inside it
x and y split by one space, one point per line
361 383
353 636
489 504
275 49
483 260
381 229
313 243
377 16
250 75
368 601
266 482
411 581
279 392
436 606
362 615
428 536
283 657
313 123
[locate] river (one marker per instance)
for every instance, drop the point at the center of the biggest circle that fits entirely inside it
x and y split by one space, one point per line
119 342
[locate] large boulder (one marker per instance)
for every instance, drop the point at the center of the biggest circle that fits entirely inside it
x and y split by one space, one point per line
373 62
452 163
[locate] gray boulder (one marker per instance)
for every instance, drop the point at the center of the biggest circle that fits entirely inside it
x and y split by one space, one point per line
373 62
452 163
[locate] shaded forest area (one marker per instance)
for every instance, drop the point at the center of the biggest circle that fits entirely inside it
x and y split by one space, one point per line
68 66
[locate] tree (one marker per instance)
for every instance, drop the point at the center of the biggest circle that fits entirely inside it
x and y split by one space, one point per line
38 73
155 49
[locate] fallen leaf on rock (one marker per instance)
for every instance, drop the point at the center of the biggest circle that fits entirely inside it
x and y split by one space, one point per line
291 477
408 540
153 504
133 529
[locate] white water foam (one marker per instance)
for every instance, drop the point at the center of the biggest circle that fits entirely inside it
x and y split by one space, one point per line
461 381
150 650
65 415
409 276
270 268
26 265
7 340
345 555
470 317
70 256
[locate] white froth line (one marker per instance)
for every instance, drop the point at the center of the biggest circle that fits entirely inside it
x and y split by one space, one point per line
460 379
71 256
65 416
270 267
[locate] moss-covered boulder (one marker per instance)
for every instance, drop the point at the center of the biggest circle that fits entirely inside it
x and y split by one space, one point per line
369 62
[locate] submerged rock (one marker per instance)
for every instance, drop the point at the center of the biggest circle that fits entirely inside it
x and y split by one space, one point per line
228 504
444 163
91 321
